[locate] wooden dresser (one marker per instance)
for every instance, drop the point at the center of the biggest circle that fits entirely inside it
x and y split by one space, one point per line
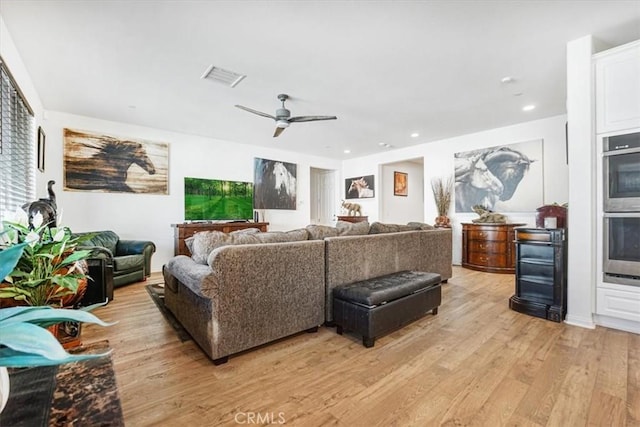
489 247
184 231
353 218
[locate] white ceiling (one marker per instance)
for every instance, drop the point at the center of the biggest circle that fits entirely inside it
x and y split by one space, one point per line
386 69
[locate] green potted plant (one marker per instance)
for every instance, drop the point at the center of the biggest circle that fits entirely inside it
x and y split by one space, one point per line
25 341
49 270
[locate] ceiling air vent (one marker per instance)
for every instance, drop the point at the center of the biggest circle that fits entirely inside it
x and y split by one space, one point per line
223 76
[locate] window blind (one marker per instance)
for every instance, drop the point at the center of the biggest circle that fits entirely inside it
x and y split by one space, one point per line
17 146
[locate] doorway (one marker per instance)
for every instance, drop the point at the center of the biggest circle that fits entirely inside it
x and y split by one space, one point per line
400 207
322 196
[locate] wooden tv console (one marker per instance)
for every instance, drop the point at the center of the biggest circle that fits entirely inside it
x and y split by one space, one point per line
186 230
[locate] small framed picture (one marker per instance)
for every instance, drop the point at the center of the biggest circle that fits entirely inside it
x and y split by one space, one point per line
41 140
400 187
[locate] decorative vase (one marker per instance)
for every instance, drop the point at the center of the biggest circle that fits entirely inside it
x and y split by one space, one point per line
4 387
443 221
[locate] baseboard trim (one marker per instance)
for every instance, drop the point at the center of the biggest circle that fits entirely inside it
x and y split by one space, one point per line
620 324
583 322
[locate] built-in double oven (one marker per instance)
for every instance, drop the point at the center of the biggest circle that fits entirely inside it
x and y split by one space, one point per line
622 209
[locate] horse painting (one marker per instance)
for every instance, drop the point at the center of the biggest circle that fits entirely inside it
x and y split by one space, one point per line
359 188
274 185
491 177
104 163
475 184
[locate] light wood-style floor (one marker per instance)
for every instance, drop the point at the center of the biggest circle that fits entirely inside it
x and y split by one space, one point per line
475 363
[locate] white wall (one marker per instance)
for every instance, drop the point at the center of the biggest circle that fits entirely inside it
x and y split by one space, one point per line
149 217
401 209
438 162
19 72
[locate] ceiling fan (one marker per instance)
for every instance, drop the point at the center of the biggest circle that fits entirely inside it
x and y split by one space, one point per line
283 116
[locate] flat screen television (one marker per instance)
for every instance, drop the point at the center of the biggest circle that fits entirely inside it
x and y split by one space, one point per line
214 199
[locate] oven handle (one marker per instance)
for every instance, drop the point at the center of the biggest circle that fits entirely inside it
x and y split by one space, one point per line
621 152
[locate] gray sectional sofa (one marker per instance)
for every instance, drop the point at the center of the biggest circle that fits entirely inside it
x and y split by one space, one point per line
244 289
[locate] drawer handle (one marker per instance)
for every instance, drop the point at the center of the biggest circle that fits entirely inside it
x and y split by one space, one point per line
481 234
483 259
483 246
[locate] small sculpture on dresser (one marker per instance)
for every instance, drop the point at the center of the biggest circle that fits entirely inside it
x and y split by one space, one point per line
351 208
487 216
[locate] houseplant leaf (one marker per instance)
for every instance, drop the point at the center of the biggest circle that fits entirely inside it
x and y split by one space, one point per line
9 258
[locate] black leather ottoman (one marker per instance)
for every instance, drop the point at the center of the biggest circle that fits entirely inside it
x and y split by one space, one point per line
374 307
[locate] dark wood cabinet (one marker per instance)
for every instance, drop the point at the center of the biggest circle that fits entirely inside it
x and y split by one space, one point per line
184 231
489 247
541 280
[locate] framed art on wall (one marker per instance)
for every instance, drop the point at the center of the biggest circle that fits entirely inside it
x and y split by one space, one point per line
99 162
400 187
274 184
41 146
359 187
504 178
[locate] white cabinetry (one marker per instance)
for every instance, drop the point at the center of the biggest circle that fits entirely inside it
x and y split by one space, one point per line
617 108
618 88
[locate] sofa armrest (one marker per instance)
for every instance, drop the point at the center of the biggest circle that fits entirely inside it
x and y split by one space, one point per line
264 292
99 252
188 272
137 247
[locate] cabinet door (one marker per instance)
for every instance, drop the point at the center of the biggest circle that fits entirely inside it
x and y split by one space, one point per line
618 88
618 303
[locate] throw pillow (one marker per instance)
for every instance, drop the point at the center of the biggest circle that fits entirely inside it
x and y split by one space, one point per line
205 242
283 236
319 232
246 231
352 229
189 242
420 226
380 228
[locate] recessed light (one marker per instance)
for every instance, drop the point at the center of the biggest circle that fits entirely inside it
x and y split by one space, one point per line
347 151
507 80
415 135
528 107
382 144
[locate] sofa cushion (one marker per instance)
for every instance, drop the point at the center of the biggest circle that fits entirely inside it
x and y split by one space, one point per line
420 226
319 232
205 242
282 236
189 240
380 228
352 229
127 263
106 239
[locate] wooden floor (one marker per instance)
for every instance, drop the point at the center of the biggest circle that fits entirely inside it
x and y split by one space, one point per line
475 363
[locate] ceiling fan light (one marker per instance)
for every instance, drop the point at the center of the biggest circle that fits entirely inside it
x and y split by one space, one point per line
282 124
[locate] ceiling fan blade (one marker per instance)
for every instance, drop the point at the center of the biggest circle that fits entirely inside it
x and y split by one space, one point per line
278 131
310 118
260 113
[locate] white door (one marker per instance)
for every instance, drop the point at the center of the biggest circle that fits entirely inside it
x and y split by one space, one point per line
322 194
